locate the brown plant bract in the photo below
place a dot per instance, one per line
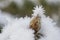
(35, 24)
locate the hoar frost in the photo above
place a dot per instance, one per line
(19, 28)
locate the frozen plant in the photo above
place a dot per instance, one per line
(49, 30)
(20, 28)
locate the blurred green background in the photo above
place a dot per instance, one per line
(28, 6)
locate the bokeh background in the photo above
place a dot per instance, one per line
(21, 8)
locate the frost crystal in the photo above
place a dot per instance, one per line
(38, 10)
